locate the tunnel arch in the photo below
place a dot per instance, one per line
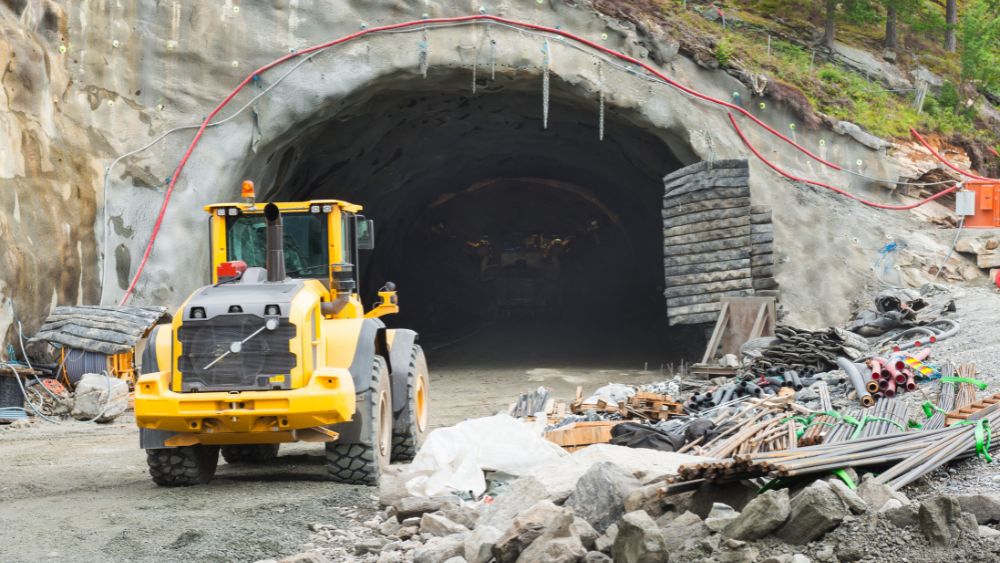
(443, 170)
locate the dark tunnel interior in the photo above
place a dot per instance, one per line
(488, 220)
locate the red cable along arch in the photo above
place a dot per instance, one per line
(840, 191)
(479, 17)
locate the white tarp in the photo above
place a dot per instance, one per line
(453, 459)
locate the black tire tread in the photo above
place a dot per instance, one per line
(356, 464)
(182, 466)
(404, 435)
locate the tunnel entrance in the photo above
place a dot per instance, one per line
(498, 215)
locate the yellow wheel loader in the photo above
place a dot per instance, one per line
(279, 348)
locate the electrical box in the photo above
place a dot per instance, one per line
(985, 205)
(965, 203)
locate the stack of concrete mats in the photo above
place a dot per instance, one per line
(715, 243)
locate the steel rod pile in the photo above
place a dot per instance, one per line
(911, 454)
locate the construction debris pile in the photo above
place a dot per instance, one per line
(811, 434)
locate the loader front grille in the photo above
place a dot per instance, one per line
(261, 357)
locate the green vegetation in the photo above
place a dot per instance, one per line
(920, 32)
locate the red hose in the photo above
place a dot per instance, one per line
(828, 186)
(945, 160)
(478, 17)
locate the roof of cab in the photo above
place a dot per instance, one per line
(286, 205)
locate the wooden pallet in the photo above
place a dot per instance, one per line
(965, 412)
(653, 406)
(579, 435)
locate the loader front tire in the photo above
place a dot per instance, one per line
(362, 462)
(182, 466)
(410, 428)
(250, 453)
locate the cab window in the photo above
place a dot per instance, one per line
(305, 242)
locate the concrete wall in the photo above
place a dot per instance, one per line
(88, 80)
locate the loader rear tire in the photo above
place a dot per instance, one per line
(182, 466)
(409, 430)
(250, 453)
(362, 462)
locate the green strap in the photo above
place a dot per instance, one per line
(915, 424)
(982, 385)
(777, 481)
(845, 478)
(983, 436)
(860, 424)
(930, 408)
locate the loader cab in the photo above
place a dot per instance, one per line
(321, 241)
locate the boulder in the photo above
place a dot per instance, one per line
(985, 507)
(410, 507)
(583, 530)
(98, 397)
(456, 559)
(815, 511)
(942, 521)
(517, 497)
(646, 498)
(684, 532)
(440, 549)
(855, 503)
(461, 514)
(392, 486)
(436, 524)
(599, 496)
(525, 529)
(639, 540)
(900, 515)
(596, 557)
(479, 544)
(605, 542)
(558, 544)
(720, 516)
(877, 494)
(760, 517)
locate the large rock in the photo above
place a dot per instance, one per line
(599, 496)
(639, 540)
(516, 498)
(985, 507)
(392, 486)
(877, 494)
(436, 524)
(684, 532)
(942, 521)
(900, 515)
(814, 511)
(720, 516)
(583, 530)
(479, 544)
(853, 501)
(646, 498)
(415, 507)
(99, 397)
(438, 550)
(558, 544)
(761, 516)
(525, 529)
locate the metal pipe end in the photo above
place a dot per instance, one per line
(867, 401)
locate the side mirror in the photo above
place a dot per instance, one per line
(366, 233)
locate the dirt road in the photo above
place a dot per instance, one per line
(80, 492)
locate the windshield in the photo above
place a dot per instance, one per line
(306, 248)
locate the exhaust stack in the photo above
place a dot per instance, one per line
(275, 263)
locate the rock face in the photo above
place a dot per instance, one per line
(760, 517)
(599, 497)
(814, 511)
(639, 540)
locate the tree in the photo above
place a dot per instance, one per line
(951, 25)
(980, 32)
(891, 18)
(830, 30)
